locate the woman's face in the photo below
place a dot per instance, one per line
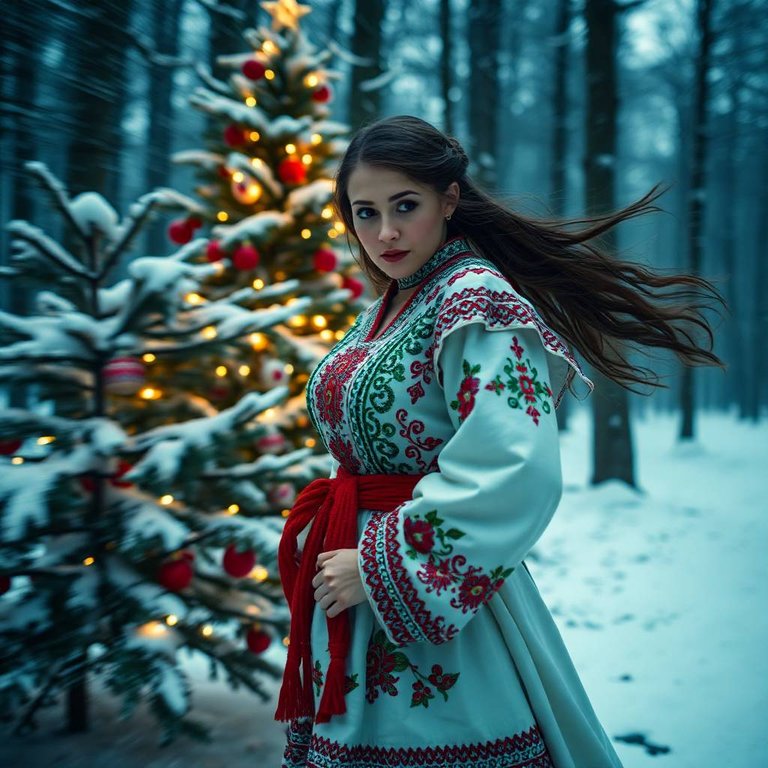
(399, 222)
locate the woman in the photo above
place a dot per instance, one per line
(418, 636)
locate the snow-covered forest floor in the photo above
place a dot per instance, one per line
(661, 596)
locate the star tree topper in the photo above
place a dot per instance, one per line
(285, 13)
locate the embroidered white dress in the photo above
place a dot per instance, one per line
(455, 660)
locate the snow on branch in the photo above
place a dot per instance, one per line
(379, 82)
(139, 211)
(261, 226)
(258, 169)
(208, 160)
(25, 489)
(202, 432)
(348, 56)
(48, 247)
(311, 197)
(47, 340)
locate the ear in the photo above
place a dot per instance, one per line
(450, 198)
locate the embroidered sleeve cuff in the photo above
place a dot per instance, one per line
(391, 593)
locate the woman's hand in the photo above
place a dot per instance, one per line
(338, 585)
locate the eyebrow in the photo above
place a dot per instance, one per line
(391, 199)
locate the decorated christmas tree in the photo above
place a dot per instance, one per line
(265, 186)
(137, 514)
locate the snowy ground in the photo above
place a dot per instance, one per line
(661, 596)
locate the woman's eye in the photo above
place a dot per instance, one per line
(406, 206)
(364, 213)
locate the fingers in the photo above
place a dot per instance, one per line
(323, 556)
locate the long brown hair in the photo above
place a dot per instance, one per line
(593, 300)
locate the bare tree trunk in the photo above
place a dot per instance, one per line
(365, 106)
(18, 118)
(98, 49)
(484, 42)
(612, 451)
(560, 138)
(759, 324)
(164, 24)
(446, 67)
(698, 191)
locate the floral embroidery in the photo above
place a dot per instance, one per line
(522, 386)
(432, 523)
(470, 586)
(350, 681)
(384, 658)
(465, 399)
(478, 588)
(342, 451)
(419, 535)
(395, 597)
(423, 370)
(523, 750)
(411, 432)
(331, 384)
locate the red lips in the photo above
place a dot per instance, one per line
(394, 255)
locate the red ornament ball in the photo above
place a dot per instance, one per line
(245, 257)
(9, 447)
(123, 468)
(124, 375)
(234, 136)
(253, 69)
(194, 222)
(176, 575)
(355, 286)
(214, 251)
(322, 94)
(238, 564)
(324, 260)
(5, 584)
(258, 640)
(180, 232)
(292, 171)
(273, 442)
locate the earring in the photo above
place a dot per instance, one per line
(448, 217)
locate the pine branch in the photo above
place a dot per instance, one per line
(50, 248)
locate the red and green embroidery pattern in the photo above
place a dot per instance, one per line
(443, 571)
(465, 398)
(522, 385)
(385, 658)
(523, 750)
(350, 681)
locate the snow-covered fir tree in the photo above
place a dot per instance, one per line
(265, 184)
(137, 514)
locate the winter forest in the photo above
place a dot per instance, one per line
(172, 270)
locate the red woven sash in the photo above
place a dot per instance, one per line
(331, 505)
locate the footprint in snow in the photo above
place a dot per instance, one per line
(640, 740)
